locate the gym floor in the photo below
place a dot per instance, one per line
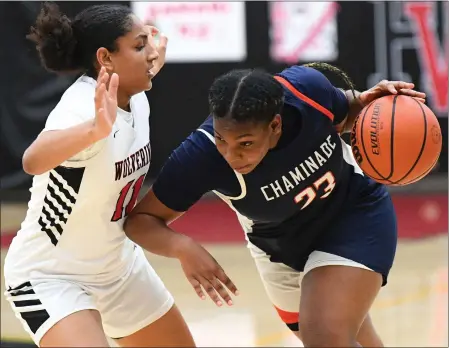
(412, 310)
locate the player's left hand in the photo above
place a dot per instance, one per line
(204, 272)
(386, 87)
(162, 47)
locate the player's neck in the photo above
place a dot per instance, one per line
(123, 102)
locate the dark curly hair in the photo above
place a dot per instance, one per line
(66, 45)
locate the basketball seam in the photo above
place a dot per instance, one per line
(393, 112)
(422, 146)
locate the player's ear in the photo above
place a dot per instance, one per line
(104, 59)
(276, 124)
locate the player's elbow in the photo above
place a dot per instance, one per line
(137, 224)
(30, 164)
(131, 224)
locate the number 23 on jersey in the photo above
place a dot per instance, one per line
(310, 193)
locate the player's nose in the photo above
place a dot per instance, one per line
(234, 158)
(152, 53)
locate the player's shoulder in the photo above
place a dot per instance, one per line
(310, 82)
(198, 150)
(307, 80)
(199, 146)
(78, 99)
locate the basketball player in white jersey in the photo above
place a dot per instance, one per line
(72, 276)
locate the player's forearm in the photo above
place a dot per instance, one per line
(52, 148)
(153, 234)
(355, 106)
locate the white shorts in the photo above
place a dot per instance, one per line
(283, 283)
(126, 305)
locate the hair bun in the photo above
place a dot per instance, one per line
(54, 38)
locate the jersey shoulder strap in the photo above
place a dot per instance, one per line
(304, 98)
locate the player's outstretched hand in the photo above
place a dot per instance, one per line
(386, 87)
(204, 272)
(105, 103)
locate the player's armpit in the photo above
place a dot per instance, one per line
(151, 205)
(341, 127)
(355, 106)
(147, 226)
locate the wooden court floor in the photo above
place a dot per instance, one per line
(411, 311)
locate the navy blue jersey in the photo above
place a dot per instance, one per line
(300, 186)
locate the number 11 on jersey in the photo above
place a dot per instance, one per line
(136, 184)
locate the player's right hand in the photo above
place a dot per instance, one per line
(204, 272)
(105, 104)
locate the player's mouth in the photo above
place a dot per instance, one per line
(150, 73)
(244, 169)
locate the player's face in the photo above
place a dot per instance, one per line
(244, 145)
(134, 59)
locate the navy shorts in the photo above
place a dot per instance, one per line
(365, 232)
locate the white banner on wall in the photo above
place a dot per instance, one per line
(303, 31)
(198, 31)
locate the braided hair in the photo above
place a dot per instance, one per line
(253, 95)
(335, 70)
(245, 96)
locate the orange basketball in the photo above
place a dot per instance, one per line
(396, 140)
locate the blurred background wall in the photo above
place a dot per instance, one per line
(369, 40)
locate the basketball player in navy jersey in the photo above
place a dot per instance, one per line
(271, 150)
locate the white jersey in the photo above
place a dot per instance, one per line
(74, 225)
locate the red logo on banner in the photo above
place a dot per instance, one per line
(410, 38)
(433, 61)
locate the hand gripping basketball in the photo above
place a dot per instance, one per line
(386, 87)
(105, 103)
(396, 139)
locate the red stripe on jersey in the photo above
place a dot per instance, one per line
(304, 98)
(288, 317)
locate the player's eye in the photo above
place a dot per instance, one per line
(246, 143)
(141, 45)
(218, 137)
